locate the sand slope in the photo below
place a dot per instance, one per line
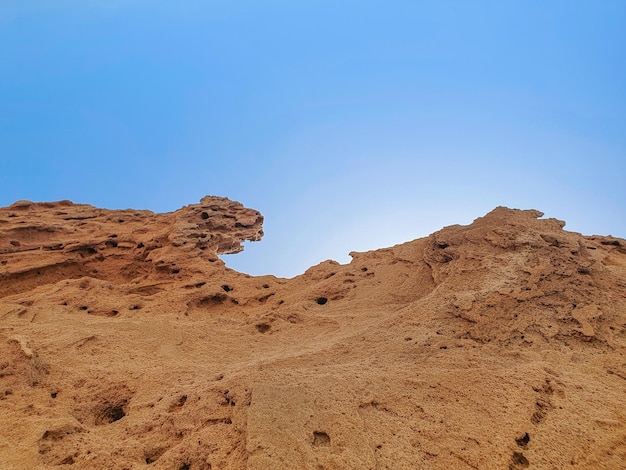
(125, 343)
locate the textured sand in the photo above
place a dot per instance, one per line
(125, 343)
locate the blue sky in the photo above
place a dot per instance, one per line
(351, 125)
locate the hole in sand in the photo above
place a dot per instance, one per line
(263, 327)
(320, 438)
(321, 300)
(115, 413)
(204, 215)
(178, 403)
(112, 413)
(519, 461)
(523, 440)
(227, 288)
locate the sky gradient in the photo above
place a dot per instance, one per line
(351, 125)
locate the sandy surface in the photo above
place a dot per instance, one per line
(125, 343)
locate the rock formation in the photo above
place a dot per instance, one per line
(126, 343)
(41, 243)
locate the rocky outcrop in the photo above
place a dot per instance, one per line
(126, 343)
(41, 243)
(514, 277)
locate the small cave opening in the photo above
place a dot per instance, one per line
(523, 441)
(116, 413)
(263, 327)
(519, 460)
(112, 413)
(321, 438)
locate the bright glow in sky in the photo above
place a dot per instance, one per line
(351, 125)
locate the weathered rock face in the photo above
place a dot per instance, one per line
(41, 243)
(126, 343)
(508, 261)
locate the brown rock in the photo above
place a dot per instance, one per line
(126, 343)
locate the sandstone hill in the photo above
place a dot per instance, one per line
(126, 343)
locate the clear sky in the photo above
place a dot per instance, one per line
(351, 125)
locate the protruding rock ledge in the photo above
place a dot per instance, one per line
(45, 242)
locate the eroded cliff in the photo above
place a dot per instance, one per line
(125, 342)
